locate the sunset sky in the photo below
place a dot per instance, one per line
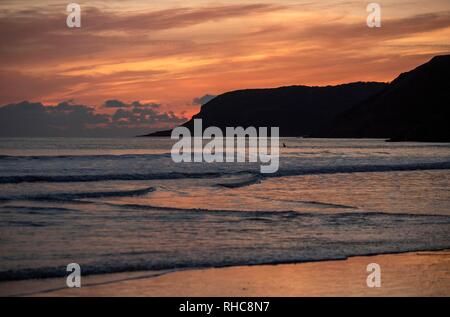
(167, 53)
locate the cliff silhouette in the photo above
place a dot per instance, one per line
(414, 106)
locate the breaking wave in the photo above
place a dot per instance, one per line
(82, 195)
(367, 168)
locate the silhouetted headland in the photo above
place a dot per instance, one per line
(413, 107)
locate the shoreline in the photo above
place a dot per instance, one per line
(402, 274)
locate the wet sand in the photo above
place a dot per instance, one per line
(406, 274)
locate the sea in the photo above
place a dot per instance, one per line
(123, 205)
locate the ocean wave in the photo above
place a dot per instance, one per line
(242, 183)
(387, 233)
(310, 202)
(286, 213)
(82, 195)
(55, 272)
(367, 168)
(101, 177)
(34, 210)
(81, 157)
(314, 170)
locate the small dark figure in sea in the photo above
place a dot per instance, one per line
(284, 144)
